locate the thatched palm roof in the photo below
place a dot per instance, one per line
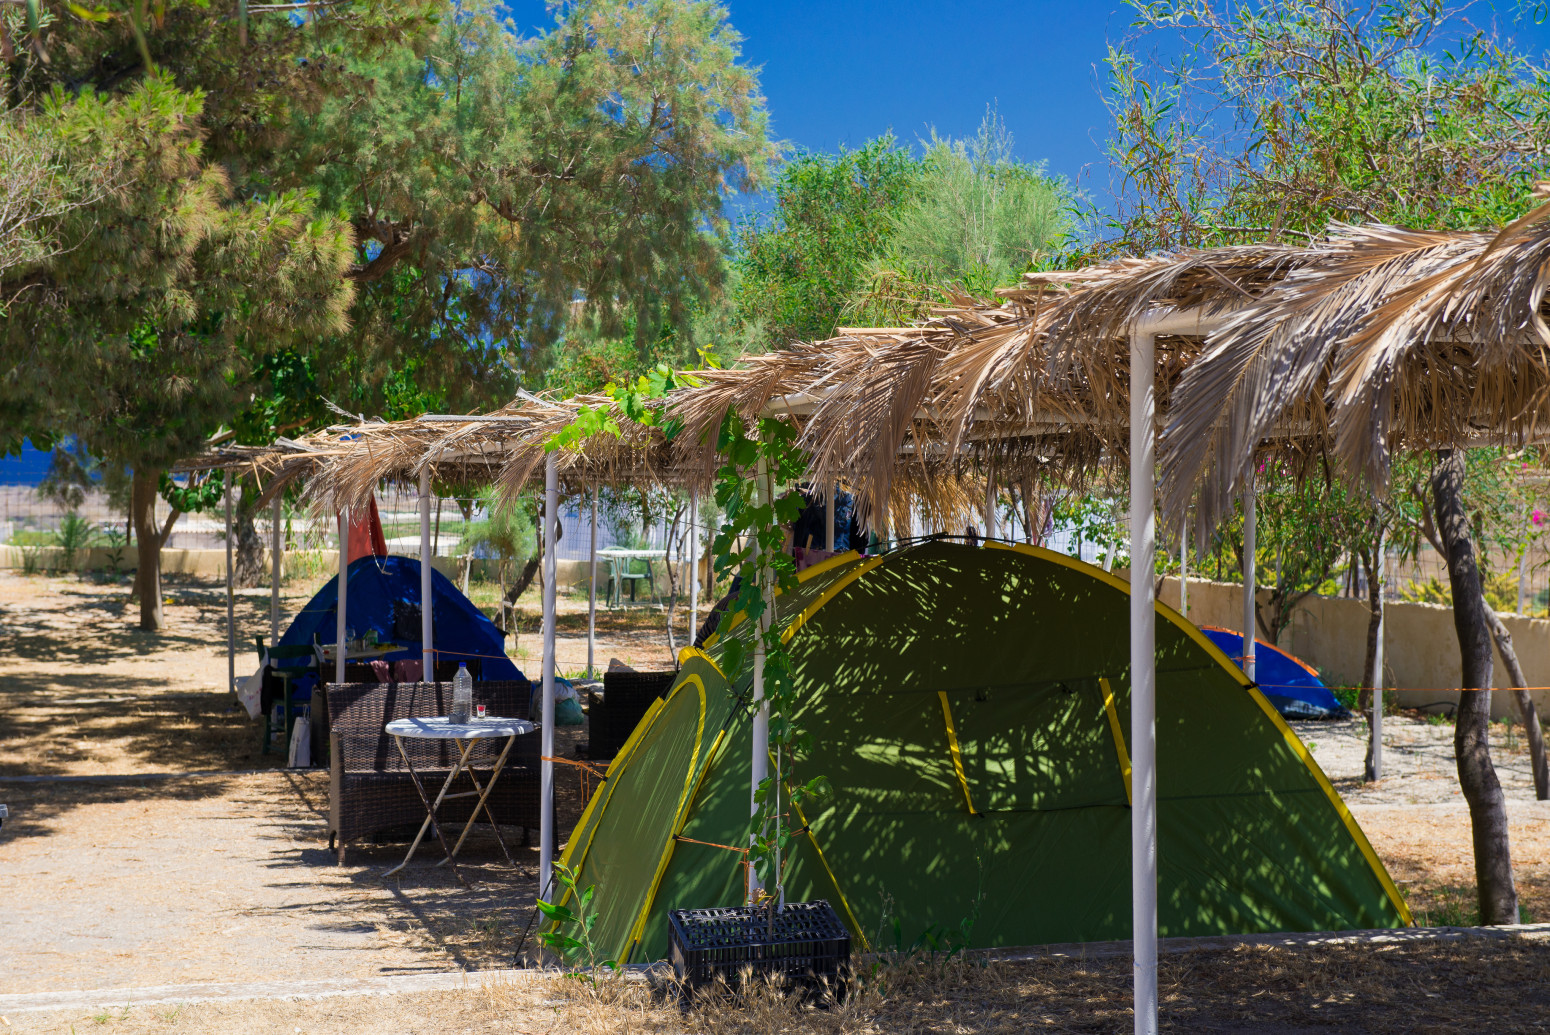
(1372, 340)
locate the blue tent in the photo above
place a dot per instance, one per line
(385, 596)
(1287, 682)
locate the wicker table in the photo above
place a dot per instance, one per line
(465, 735)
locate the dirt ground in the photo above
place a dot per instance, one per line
(113, 877)
(1417, 989)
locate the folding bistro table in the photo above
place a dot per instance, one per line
(465, 735)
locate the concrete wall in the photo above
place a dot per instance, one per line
(212, 563)
(1421, 653)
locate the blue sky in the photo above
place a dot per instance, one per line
(839, 73)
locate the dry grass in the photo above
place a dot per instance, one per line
(1419, 988)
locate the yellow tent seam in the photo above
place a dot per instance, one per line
(952, 747)
(614, 769)
(1119, 736)
(1193, 632)
(828, 564)
(827, 595)
(812, 837)
(678, 819)
(836, 561)
(687, 653)
(1378, 869)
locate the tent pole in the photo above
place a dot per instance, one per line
(592, 591)
(427, 565)
(828, 532)
(274, 581)
(1143, 690)
(761, 719)
(546, 751)
(1375, 772)
(1250, 575)
(344, 592)
(1184, 568)
(231, 600)
(694, 565)
(990, 504)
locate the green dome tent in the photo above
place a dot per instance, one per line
(969, 708)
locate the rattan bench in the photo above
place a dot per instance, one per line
(369, 788)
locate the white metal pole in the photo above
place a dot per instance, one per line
(1143, 683)
(990, 505)
(1377, 664)
(694, 565)
(344, 594)
(761, 718)
(274, 579)
(231, 600)
(592, 591)
(1250, 576)
(546, 763)
(828, 518)
(427, 566)
(1184, 568)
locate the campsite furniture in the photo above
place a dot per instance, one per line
(969, 707)
(619, 571)
(370, 790)
(613, 716)
(805, 943)
(283, 665)
(329, 652)
(464, 735)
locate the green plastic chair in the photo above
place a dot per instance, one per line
(286, 663)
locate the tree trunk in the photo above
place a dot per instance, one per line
(1471, 730)
(1371, 681)
(248, 569)
(1530, 714)
(148, 548)
(530, 569)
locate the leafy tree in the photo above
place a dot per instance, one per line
(1280, 117)
(412, 171)
(130, 335)
(798, 268)
(976, 219)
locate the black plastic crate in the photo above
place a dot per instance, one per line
(805, 943)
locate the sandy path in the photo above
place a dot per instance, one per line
(110, 884)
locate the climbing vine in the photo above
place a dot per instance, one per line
(750, 545)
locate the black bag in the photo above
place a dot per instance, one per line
(406, 621)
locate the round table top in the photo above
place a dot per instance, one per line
(441, 728)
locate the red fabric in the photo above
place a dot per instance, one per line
(366, 538)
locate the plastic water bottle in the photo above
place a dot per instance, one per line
(462, 695)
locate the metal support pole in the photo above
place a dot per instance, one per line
(592, 592)
(1143, 683)
(990, 505)
(546, 751)
(694, 565)
(1376, 772)
(1184, 568)
(828, 519)
(231, 599)
(761, 720)
(427, 566)
(275, 561)
(344, 594)
(1250, 577)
